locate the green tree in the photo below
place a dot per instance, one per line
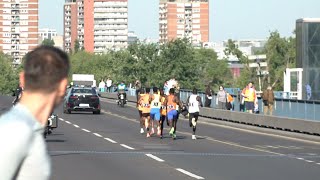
(48, 42)
(76, 46)
(8, 75)
(281, 54)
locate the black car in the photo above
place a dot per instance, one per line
(82, 99)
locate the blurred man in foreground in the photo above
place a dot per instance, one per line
(23, 152)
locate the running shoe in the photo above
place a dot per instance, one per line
(194, 137)
(171, 131)
(148, 135)
(141, 131)
(174, 136)
(194, 123)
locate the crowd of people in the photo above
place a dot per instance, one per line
(157, 108)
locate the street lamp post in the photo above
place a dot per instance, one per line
(259, 73)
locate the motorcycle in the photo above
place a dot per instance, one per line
(122, 99)
(51, 124)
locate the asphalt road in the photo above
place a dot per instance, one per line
(110, 146)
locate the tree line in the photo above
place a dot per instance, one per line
(153, 64)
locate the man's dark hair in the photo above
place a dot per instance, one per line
(147, 90)
(155, 89)
(44, 68)
(194, 91)
(142, 91)
(171, 91)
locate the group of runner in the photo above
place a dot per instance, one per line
(158, 108)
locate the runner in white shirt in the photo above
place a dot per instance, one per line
(194, 103)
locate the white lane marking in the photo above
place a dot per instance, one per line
(76, 126)
(309, 161)
(154, 157)
(96, 134)
(68, 122)
(189, 173)
(212, 123)
(86, 130)
(207, 138)
(110, 140)
(61, 119)
(128, 147)
(318, 163)
(300, 158)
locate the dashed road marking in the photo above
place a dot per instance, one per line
(300, 158)
(155, 157)
(76, 126)
(189, 173)
(110, 140)
(128, 147)
(96, 134)
(86, 130)
(318, 163)
(68, 122)
(61, 119)
(248, 131)
(309, 161)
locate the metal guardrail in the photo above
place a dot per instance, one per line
(280, 123)
(290, 108)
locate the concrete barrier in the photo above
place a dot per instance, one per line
(288, 124)
(281, 123)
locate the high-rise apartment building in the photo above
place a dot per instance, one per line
(46, 33)
(19, 27)
(184, 19)
(100, 24)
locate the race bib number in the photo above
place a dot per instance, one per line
(170, 107)
(155, 104)
(146, 105)
(163, 107)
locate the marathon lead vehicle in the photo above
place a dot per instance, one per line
(82, 99)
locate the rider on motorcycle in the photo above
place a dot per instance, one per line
(122, 90)
(17, 94)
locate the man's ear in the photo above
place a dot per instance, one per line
(22, 79)
(62, 87)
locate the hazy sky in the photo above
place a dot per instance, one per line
(236, 19)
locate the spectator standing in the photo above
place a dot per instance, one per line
(250, 97)
(109, 84)
(221, 98)
(229, 105)
(23, 152)
(241, 101)
(102, 86)
(137, 86)
(209, 94)
(268, 101)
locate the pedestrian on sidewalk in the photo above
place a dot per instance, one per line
(23, 152)
(229, 105)
(250, 97)
(109, 85)
(268, 101)
(209, 94)
(221, 98)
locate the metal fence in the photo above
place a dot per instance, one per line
(290, 108)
